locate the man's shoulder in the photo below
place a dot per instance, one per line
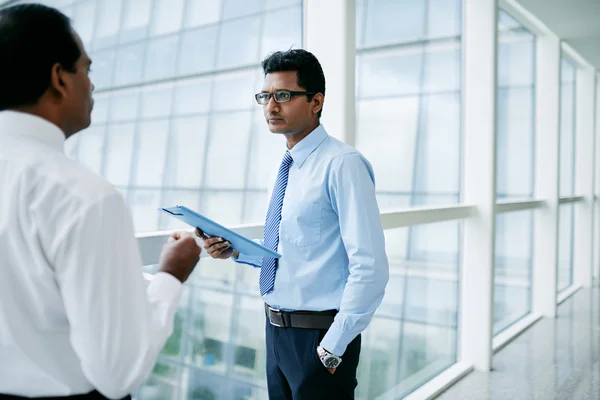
(64, 176)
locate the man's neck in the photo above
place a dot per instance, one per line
(294, 139)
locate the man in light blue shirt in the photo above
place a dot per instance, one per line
(324, 220)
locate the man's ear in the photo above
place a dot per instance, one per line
(59, 81)
(318, 100)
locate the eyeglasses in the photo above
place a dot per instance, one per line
(280, 96)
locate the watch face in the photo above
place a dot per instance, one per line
(331, 362)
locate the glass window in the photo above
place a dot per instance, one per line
(414, 331)
(136, 20)
(130, 64)
(565, 246)
(513, 268)
(197, 52)
(515, 110)
(91, 148)
(124, 106)
(192, 97)
(151, 152)
(281, 30)
(83, 21)
(161, 57)
(277, 4)
(234, 92)
(107, 24)
(444, 18)
(567, 129)
(187, 147)
(223, 206)
(144, 205)
(156, 101)
(226, 152)
(167, 17)
(119, 153)
(392, 21)
(202, 12)
(265, 152)
(238, 44)
(100, 110)
(239, 8)
(102, 68)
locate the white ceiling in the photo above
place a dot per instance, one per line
(577, 22)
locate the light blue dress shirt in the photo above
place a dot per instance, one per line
(330, 238)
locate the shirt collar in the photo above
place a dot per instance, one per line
(21, 125)
(306, 146)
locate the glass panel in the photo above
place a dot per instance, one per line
(192, 98)
(234, 92)
(100, 111)
(162, 384)
(119, 153)
(167, 17)
(515, 143)
(83, 21)
(444, 18)
(124, 106)
(393, 21)
(226, 164)
(513, 269)
(91, 148)
(239, 8)
(255, 207)
(197, 53)
(130, 64)
(282, 30)
(567, 129)
(156, 102)
(161, 57)
(107, 24)
(102, 68)
(202, 12)
(239, 42)
(187, 148)
(151, 148)
(136, 20)
(144, 205)
(565, 246)
(413, 335)
(265, 152)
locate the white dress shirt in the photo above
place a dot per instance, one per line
(75, 312)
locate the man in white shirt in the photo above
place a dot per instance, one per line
(76, 317)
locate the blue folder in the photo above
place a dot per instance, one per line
(211, 228)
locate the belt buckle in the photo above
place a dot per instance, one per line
(279, 314)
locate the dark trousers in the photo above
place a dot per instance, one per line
(294, 370)
(89, 396)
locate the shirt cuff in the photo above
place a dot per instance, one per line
(250, 260)
(336, 341)
(165, 287)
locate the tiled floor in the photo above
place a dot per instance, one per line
(553, 360)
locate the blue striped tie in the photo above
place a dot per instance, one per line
(269, 264)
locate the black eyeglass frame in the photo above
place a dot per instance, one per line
(291, 93)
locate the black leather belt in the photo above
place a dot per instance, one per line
(300, 319)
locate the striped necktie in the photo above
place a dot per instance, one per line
(269, 264)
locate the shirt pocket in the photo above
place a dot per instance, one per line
(303, 226)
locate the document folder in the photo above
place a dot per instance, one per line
(211, 228)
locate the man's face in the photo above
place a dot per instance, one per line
(78, 102)
(292, 117)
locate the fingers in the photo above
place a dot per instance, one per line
(217, 247)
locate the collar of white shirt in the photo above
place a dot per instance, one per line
(306, 146)
(23, 125)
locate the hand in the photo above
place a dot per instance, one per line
(217, 247)
(179, 256)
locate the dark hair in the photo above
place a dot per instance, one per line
(33, 38)
(307, 67)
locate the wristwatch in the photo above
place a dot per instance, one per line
(329, 360)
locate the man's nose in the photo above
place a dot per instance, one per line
(272, 105)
